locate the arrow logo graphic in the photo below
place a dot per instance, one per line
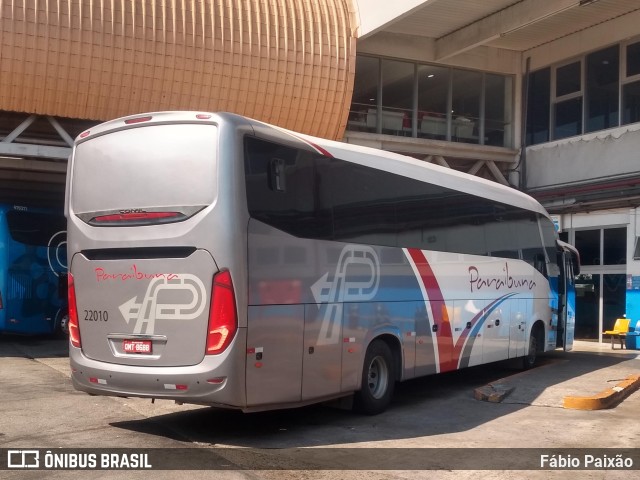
(149, 310)
(332, 293)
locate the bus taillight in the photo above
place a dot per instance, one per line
(74, 329)
(223, 320)
(136, 218)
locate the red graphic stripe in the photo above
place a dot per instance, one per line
(448, 355)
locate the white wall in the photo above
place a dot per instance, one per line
(595, 156)
(375, 14)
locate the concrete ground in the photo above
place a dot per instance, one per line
(40, 409)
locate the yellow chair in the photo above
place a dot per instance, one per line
(620, 329)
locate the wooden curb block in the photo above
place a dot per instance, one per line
(493, 393)
(606, 399)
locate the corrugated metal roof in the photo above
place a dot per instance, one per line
(565, 23)
(438, 18)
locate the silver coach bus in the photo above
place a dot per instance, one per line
(219, 260)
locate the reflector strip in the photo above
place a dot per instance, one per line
(349, 340)
(173, 386)
(101, 381)
(138, 120)
(217, 381)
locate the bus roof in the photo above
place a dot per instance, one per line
(380, 159)
(421, 170)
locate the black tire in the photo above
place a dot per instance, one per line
(62, 324)
(378, 379)
(529, 360)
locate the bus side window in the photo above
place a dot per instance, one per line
(540, 264)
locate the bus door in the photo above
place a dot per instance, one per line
(569, 268)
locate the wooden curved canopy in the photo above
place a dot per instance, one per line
(286, 62)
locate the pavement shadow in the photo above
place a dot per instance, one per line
(33, 346)
(428, 406)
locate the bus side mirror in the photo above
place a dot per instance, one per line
(276, 175)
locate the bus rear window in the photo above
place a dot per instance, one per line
(34, 228)
(155, 166)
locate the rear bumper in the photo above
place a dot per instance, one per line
(217, 380)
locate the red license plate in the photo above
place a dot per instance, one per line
(137, 346)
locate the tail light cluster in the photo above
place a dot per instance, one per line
(74, 328)
(223, 318)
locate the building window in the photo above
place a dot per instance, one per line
(433, 98)
(538, 106)
(498, 110)
(602, 89)
(588, 244)
(465, 105)
(568, 79)
(397, 97)
(393, 97)
(633, 59)
(605, 93)
(568, 118)
(615, 246)
(602, 246)
(364, 106)
(631, 85)
(568, 101)
(631, 103)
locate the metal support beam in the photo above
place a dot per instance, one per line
(19, 129)
(476, 167)
(519, 15)
(61, 131)
(39, 151)
(497, 173)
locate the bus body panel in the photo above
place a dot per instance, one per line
(217, 380)
(351, 292)
(133, 273)
(33, 260)
(144, 311)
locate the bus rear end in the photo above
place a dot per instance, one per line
(154, 273)
(32, 262)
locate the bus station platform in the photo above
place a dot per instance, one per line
(590, 377)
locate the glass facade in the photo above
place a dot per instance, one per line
(538, 106)
(602, 89)
(601, 288)
(599, 91)
(400, 98)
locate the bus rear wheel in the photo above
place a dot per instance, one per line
(529, 360)
(378, 379)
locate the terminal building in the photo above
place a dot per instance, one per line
(541, 96)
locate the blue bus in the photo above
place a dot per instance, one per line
(33, 266)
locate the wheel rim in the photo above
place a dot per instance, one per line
(378, 377)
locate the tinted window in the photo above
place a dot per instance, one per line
(311, 196)
(538, 107)
(568, 79)
(283, 191)
(602, 89)
(33, 228)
